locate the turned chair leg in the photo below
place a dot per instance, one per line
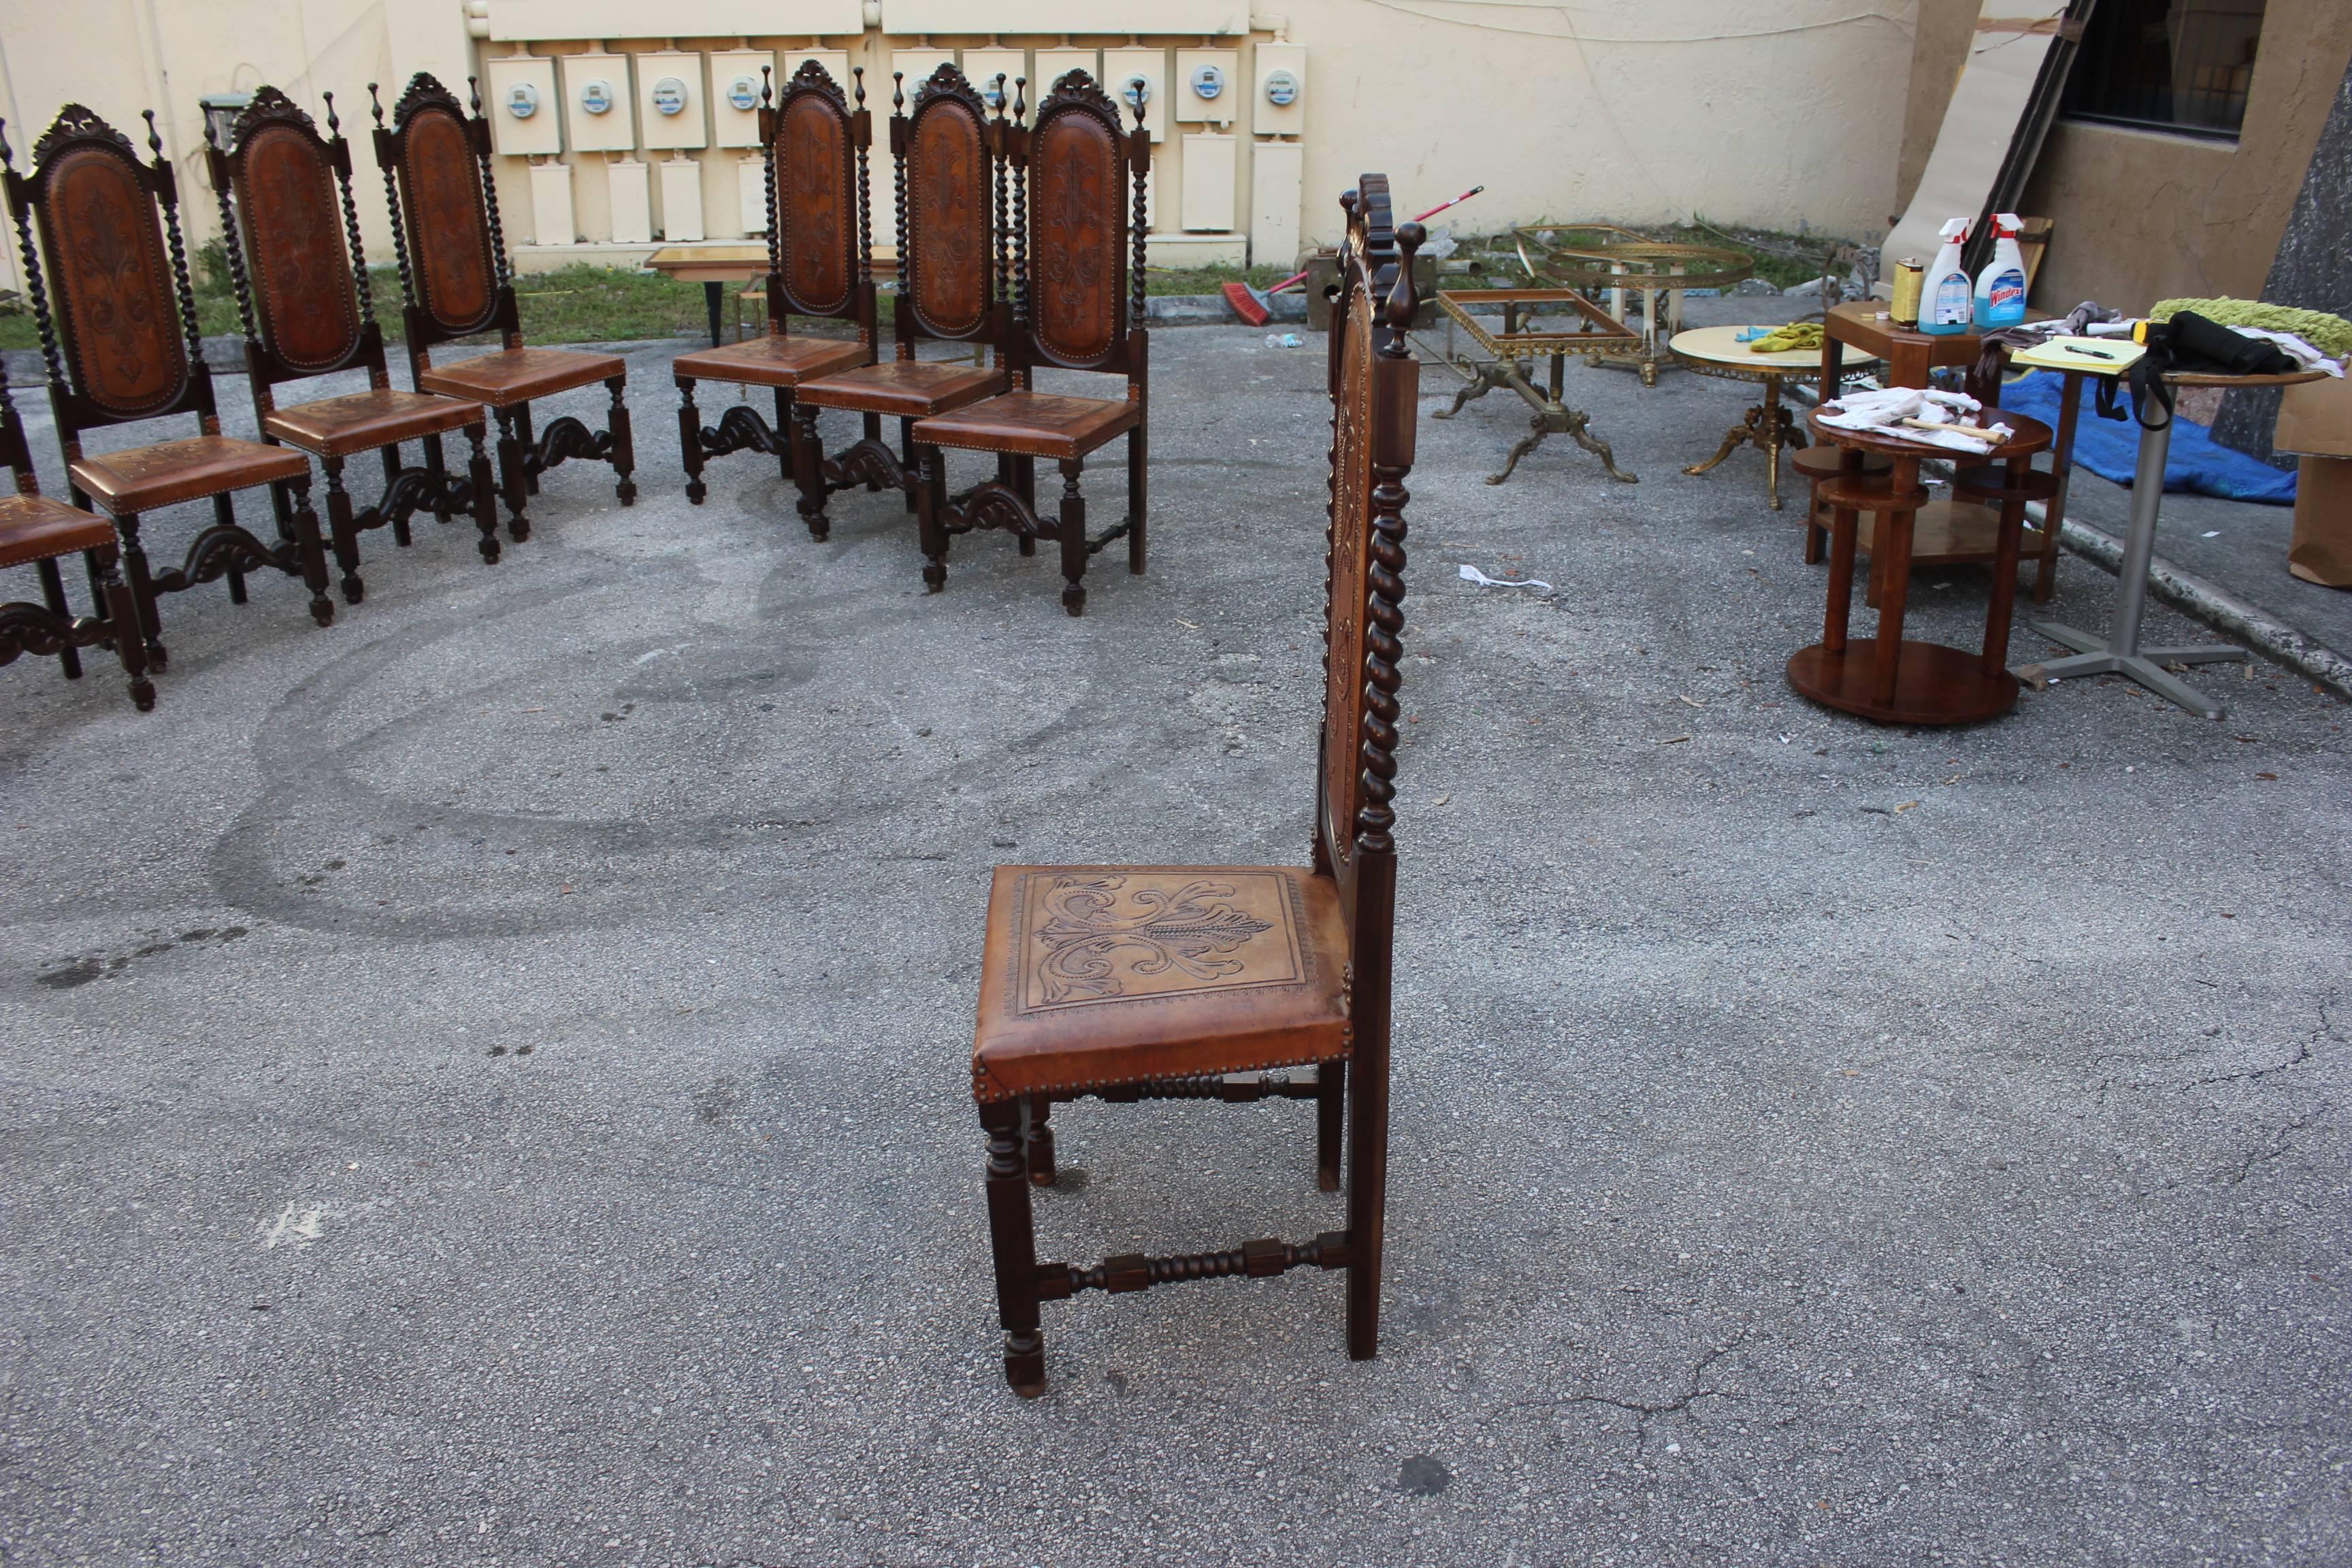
(529, 438)
(53, 589)
(485, 496)
(1041, 1142)
(1013, 1238)
(1330, 1122)
(808, 467)
(1025, 480)
(391, 456)
(930, 526)
(783, 428)
(438, 460)
(510, 472)
(122, 611)
(313, 553)
(624, 445)
(147, 623)
(689, 440)
(1368, 1181)
(225, 514)
(1073, 530)
(343, 530)
(1138, 488)
(906, 455)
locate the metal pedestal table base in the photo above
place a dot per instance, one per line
(2119, 653)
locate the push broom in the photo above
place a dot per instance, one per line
(1253, 305)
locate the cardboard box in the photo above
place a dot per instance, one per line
(2321, 551)
(2315, 417)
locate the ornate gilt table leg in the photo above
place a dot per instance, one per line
(1775, 434)
(1748, 429)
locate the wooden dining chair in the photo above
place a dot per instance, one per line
(37, 532)
(457, 281)
(1131, 982)
(123, 347)
(304, 301)
(1078, 299)
(950, 165)
(813, 146)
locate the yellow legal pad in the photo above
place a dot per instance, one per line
(2096, 356)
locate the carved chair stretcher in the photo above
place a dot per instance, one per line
(456, 281)
(1195, 982)
(814, 148)
(286, 214)
(1077, 304)
(950, 167)
(37, 532)
(123, 346)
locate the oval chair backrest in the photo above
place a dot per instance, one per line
(293, 231)
(817, 195)
(1372, 388)
(1077, 226)
(102, 245)
(947, 236)
(449, 231)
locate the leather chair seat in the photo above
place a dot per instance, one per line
(772, 359)
(910, 389)
(35, 528)
(337, 426)
(519, 376)
(170, 472)
(1031, 424)
(1115, 974)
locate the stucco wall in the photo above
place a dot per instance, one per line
(2142, 215)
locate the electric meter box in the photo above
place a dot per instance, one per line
(1122, 69)
(599, 110)
(735, 94)
(1281, 106)
(526, 116)
(1208, 86)
(669, 99)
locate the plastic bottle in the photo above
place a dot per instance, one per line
(1944, 307)
(2000, 287)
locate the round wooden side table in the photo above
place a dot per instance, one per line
(1885, 679)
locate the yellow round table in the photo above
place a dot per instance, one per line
(1768, 426)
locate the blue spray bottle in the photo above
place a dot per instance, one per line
(2000, 287)
(1944, 305)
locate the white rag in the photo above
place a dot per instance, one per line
(1885, 410)
(2305, 356)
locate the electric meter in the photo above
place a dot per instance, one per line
(1281, 88)
(669, 94)
(522, 100)
(1208, 82)
(596, 96)
(743, 92)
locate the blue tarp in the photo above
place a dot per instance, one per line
(2110, 448)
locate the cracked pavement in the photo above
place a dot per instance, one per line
(486, 1082)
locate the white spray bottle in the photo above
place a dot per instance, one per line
(2000, 287)
(1944, 305)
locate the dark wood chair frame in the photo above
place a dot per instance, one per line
(84, 400)
(332, 285)
(522, 457)
(1375, 393)
(793, 442)
(918, 314)
(1010, 500)
(51, 629)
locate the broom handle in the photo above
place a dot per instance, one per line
(1300, 276)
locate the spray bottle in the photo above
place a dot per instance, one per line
(2000, 287)
(1945, 293)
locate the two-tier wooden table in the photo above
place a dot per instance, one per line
(1885, 678)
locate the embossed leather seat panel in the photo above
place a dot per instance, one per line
(1106, 975)
(908, 388)
(334, 426)
(519, 376)
(1031, 424)
(170, 472)
(34, 528)
(770, 361)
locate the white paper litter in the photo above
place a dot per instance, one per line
(1472, 574)
(1884, 411)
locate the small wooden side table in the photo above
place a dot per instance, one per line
(1885, 679)
(1768, 426)
(2119, 653)
(714, 266)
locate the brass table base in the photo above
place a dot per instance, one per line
(1768, 426)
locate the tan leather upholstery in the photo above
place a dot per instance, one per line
(170, 472)
(908, 388)
(34, 528)
(517, 376)
(337, 426)
(1031, 424)
(772, 360)
(1109, 974)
